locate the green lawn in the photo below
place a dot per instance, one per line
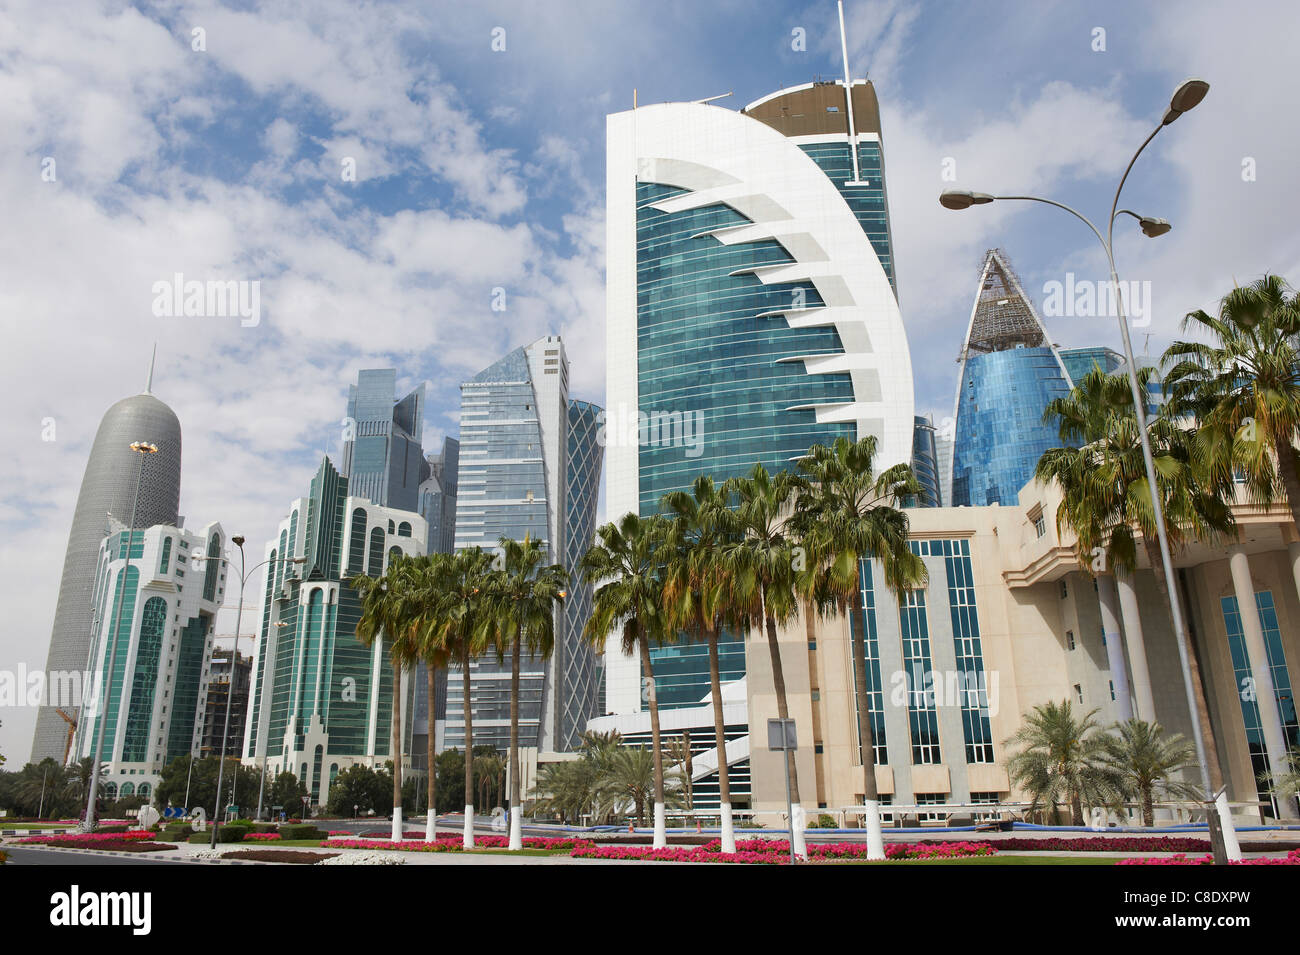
(34, 825)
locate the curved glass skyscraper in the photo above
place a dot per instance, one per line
(751, 309)
(1009, 372)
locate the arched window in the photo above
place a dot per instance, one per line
(390, 527)
(166, 558)
(357, 544)
(144, 791)
(110, 791)
(128, 789)
(376, 566)
(279, 568)
(404, 529)
(393, 554)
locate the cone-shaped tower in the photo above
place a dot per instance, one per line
(1009, 372)
(107, 487)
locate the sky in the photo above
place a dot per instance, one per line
(387, 172)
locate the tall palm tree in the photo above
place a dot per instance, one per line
(462, 624)
(1061, 759)
(1243, 386)
(847, 515)
(1106, 500)
(523, 596)
(698, 598)
(388, 611)
(625, 565)
(762, 565)
(433, 573)
(1144, 760)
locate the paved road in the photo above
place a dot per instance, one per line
(21, 856)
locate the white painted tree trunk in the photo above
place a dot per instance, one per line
(397, 823)
(875, 838)
(431, 827)
(661, 827)
(516, 828)
(728, 829)
(797, 834)
(468, 840)
(1230, 844)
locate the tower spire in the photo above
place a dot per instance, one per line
(148, 382)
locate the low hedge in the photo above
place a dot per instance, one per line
(300, 831)
(224, 834)
(176, 833)
(265, 827)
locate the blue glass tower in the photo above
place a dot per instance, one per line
(1009, 372)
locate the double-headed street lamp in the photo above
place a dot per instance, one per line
(144, 449)
(234, 657)
(1185, 98)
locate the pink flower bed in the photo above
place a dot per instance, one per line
(777, 851)
(1291, 858)
(1102, 844)
(450, 843)
(92, 837)
(261, 837)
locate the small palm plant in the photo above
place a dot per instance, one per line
(1145, 761)
(1285, 784)
(1061, 759)
(634, 777)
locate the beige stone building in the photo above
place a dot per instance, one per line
(1009, 620)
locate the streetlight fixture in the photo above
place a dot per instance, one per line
(1186, 97)
(144, 449)
(238, 541)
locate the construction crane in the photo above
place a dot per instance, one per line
(72, 731)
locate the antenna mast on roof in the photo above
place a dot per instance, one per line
(848, 99)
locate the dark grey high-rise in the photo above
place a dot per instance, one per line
(107, 487)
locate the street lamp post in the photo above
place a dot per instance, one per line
(144, 449)
(234, 656)
(1186, 97)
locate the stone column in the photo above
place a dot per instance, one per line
(1109, 604)
(1270, 717)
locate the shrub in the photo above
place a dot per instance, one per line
(224, 834)
(300, 831)
(176, 833)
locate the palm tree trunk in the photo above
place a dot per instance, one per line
(1148, 808)
(1286, 470)
(1217, 819)
(397, 751)
(720, 740)
(1198, 686)
(783, 711)
(516, 823)
(1076, 809)
(468, 838)
(661, 828)
(431, 822)
(866, 739)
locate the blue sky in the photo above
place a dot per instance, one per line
(479, 169)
